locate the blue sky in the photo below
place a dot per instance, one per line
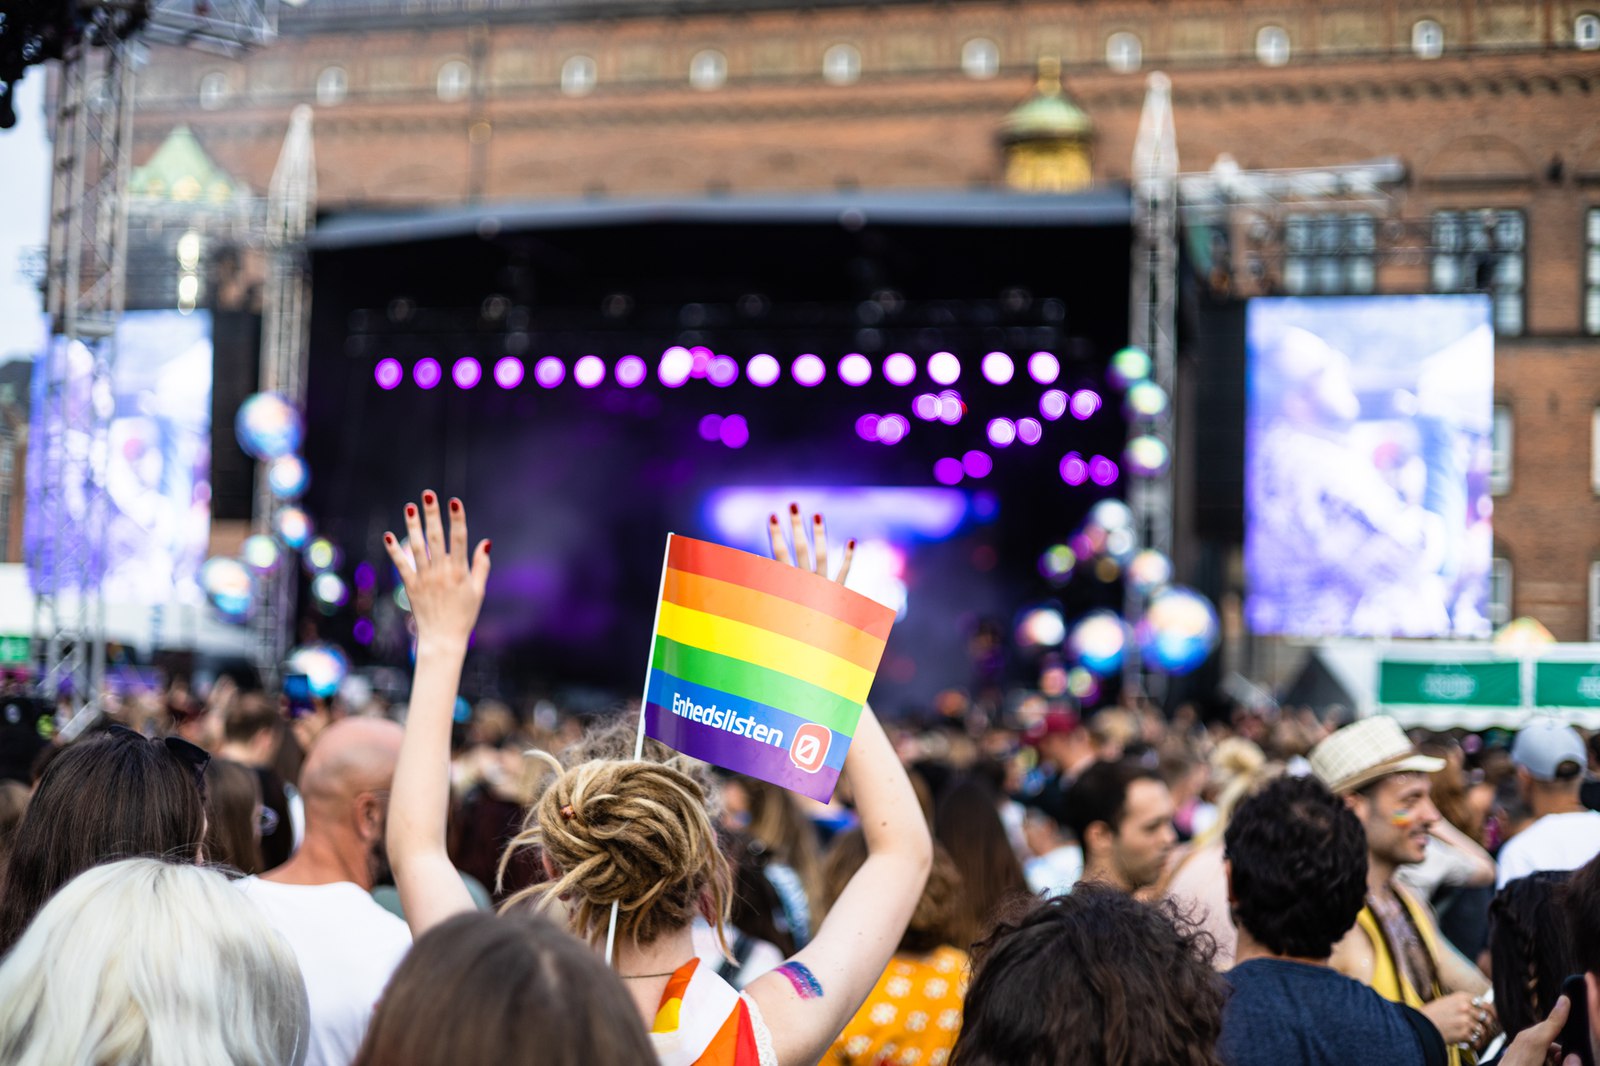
(25, 192)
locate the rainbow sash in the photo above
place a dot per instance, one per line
(703, 1022)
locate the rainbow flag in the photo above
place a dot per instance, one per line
(759, 667)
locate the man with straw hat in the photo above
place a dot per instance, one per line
(1395, 945)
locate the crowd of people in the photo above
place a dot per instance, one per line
(229, 885)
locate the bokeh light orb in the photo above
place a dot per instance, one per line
(1044, 367)
(948, 471)
(1129, 365)
(1041, 627)
(762, 371)
(630, 371)
(944, 368)
(675, 367)
(899, 369)
(998, 369)
(1179, 630)
(977, 464)
(1084, 403)
(892, 429)
(1145, 401)
(1074, 469)
(1002, 432)
(388, 374)
(229, 586)
(590, 371)
(723, 371)
(549, 372)
(508, 372)
(288, 477)
(926, 407)
(1053, 404)
(324, 665)
(322, 554)
(427, 373)
(855, 369)
(1149, 570)
(1121, 545)
(1102, 471)
(268, 426)
(808, 370)
(466, 372)
(261, 553)
(1098, 642)
(867, 427)
(329, 591)
(711, 428)
(735, 431)
(292, 526)
(1083, 685)
(1057, 563)
(1029, 431)
(1146, 456)
(950, 407)
(1108, 515)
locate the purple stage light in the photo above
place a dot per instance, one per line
(948, 471)
(951, 408)
(676, 365)
(944, 368)
(366, 578)
(1029, 430)
(855, 369)
(926, 407)
(723, 371)
(701, 361)
(589, 371)
(631, 371)
(892, 429)
(508, 372)
(867, 427)
(808, 370)
(1102, 471)
(363, 631)
(427, 373)
(711, 428)
(1002, 431)
(762, 370)
(998, 368)
(977, 464)
(1044, 368)
(466, 373)
(1085, 402)
(1053, 404)
(735, 431)
(1074, 470)
(549, 372)
(388, 373)
(900, 369)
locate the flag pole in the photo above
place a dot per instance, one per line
(644, 700)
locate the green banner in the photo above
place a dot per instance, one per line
(13, 650)
(1491, 684)
(1558, 684)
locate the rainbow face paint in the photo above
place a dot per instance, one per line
(1403, 819)
(805, 983)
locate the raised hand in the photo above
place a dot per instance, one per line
(444, 585)
(802, 551)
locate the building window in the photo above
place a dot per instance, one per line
(1586, 32)
(708, 70)
(980, 58)
(1499, 591)
(1272, 46)
(1483, 251)
(578, 75)
(1427, 39)
(1329, 254)
(841, 65)
(332, 86)
(454, 80)
(1591, 291)
(213, 90)
(1500, 451)
(1124, 53)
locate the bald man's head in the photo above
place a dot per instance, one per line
(352, 756)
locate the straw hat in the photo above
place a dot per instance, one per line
(1360, 754)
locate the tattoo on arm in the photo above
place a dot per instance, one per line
(805, 983)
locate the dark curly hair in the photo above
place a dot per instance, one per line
(1581, 900)
(1530, 948)
(1299, 859)
(1094, 978)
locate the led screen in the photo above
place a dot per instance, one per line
(1367, 466)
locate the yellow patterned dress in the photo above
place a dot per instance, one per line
(912, 1017)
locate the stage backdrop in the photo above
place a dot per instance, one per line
(1367, 456)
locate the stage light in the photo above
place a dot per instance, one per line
(1044, 368)
(700, 360)
(1029, 430)
(1053, 404)
(944, 368)
(268, 426)
(723, 371)
(329, 590)
(1074, 470)
(1179, 630)
(427, 373)
(1108, 516)
(230, 586)
(293, 527)
(900, 369)
(321, 555)
(1145, 400)
(676, 365)
(1102, 471)
(1098, 642)
(549, 372)
(366, 577)
(631, 371)
(1146, 456)
(508, 372)
(998, 368)
(261, 552)
(926, 407)
(1082, 684)
(711, 428)
(589, 371)
(1002, 432)
(1085, 402)
(363, 631)
(1057, 564)
(867, 427)
(735, 431)
(1041, 627)
(762, 370)
(388, 373)
(951, 408)
(324, 665)
(808, 370)
(948, 471)
(892, 429)
(1149, 570)
(855, 369)
(1129, 365)
(288, 476)
(977, 464)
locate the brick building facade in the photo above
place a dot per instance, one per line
(1489, 104)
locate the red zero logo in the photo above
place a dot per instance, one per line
(810, 748)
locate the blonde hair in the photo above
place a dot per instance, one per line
(149, 963)
(634, 833)
(1239, 768)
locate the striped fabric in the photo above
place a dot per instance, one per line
(702, 1021)
(760, 667)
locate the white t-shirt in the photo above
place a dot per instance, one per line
(1554, 842)
(348, 947)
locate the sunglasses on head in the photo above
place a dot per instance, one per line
(193, 756)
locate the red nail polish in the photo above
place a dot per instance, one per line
(429, 498)
(455, 505)
(794, 508)
(388, 538)
(411, 510)
(817, 519)
(773, 519)
(851, 543)
(487, 545)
